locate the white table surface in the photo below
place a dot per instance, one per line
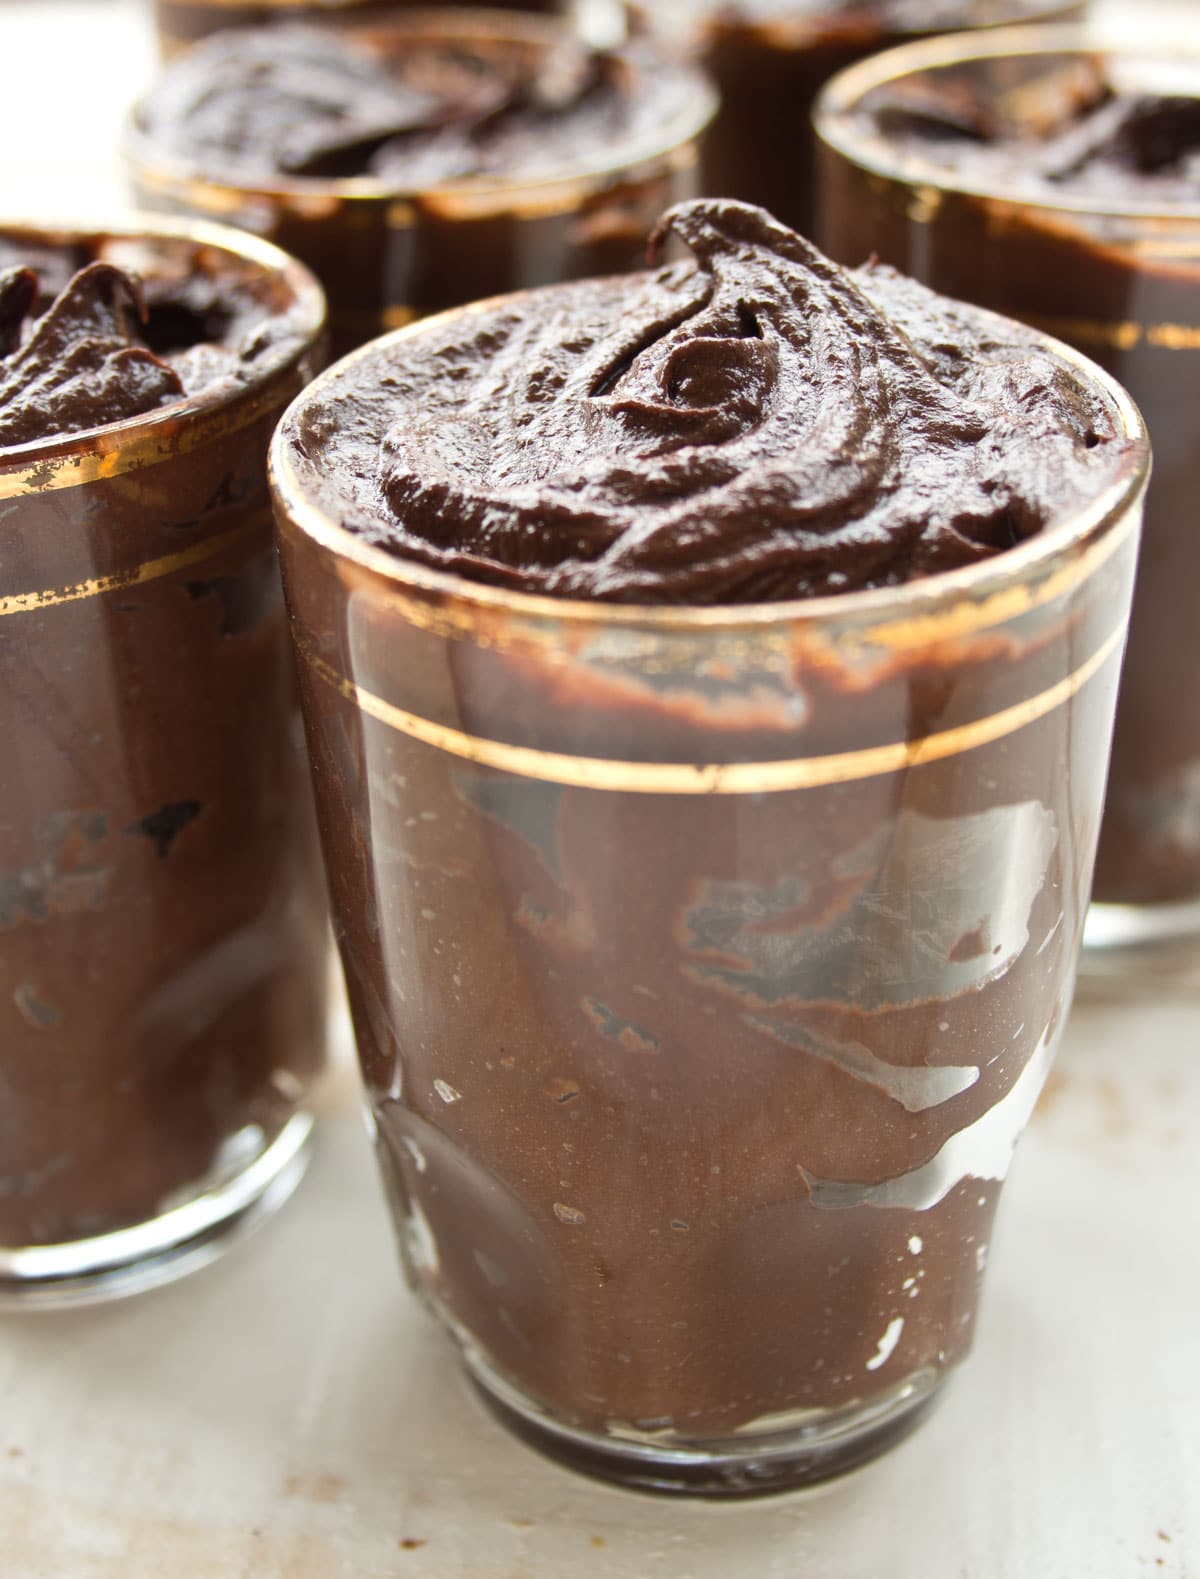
(289, 1413)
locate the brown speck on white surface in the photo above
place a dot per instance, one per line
(319, 1486)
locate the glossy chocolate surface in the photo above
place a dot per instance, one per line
(1117, 272)
(1074, 133)
(81, 365)
(161, 909)
(310, 101)
(85, 349)
(756, 425)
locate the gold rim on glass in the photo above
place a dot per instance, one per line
(947, 607)
(71, 460)
(879, 156)
(799, 33)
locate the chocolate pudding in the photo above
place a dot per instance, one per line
(709, 915)
(1063, 186)
(694, 437)
(84, 343)
(429, 161)
(770, 58)
(161, 910)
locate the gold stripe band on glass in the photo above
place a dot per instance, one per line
(1120, 335)
(150, 570)
(715, 778)
(1156, 247)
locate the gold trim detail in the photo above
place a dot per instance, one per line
(966, 616)
(182, 428)
(1122, 335)
(1174, 336)
(924, 204)
(151, 570)
(1159, 247)
(714, 778)
(230, 5)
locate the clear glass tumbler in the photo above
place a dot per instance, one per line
(163, 930)
(1120, 279)
(770, 60)
(706, 964)
(387, 255)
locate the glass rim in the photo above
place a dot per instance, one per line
(798, 33)
(170, 172)
(71, 459)
(990, 592)
(301, 5)
(843, 94)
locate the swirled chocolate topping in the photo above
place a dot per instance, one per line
(84, 343)
(1070, 131)
(417, 106)
(759, 424)
(82, 365)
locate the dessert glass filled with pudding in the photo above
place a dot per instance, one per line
(1055, 176)
(428, 161)
(708, 675)
(770, 58)
(162, 915)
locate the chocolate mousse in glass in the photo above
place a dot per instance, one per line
(1055, 175)
(428, 161)
(182, 23)
(162, 915)
(770, 58)
(708, 676)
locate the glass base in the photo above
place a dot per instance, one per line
(180, 1240)
(815, 1446)
(1157, 944)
